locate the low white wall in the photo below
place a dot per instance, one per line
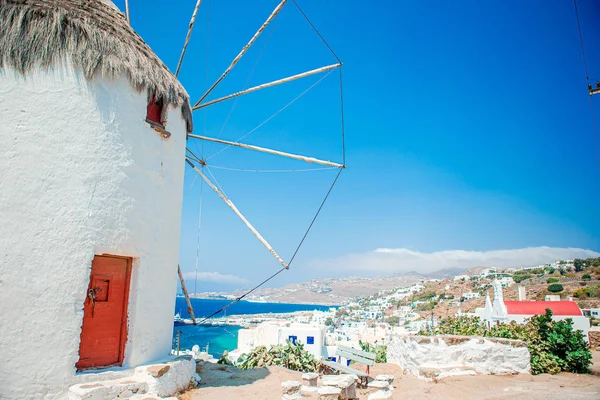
(457, 355)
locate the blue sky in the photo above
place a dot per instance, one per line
(468, 127)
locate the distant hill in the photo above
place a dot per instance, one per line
(446, 273)
(324, 291)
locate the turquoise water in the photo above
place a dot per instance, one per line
(221, 338)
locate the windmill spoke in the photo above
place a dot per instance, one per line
(244, 50)
(187, 38)
(270, 151)
(238, 213)
(269, 84)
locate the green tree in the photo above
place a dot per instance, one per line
(579, 264)
(555, 288)
(551, 280)
(520, 278)
(586, 277)
(329, 321)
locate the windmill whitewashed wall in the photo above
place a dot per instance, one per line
(82, 174)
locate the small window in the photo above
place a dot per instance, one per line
(154, 112)
(310, 340)
(155, 116)
(293, 339)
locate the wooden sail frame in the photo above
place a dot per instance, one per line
(191, 159)
(238, 213)
(269, 151)
(198, 106)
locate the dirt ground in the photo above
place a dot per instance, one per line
(222, 382)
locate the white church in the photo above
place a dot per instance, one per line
(500, 310)
(93, 136)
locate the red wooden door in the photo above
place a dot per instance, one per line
(104, 330)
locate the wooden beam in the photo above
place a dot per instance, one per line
(185, 293)
(266, 85)
(187, 37)
(239, 214)
(244, 50)
(269, 151)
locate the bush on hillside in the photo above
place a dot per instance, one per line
(553, 345)
(520, 278)
(551, 280)
(586, 277)
(556, 288)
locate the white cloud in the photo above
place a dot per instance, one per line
(400, 260)
(216, 277)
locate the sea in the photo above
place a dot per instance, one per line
(224, 337)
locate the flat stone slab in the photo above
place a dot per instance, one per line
(295, 396)
(308, 390)
(378, 385)
(340, 381)
(329, 393)
(380, 394)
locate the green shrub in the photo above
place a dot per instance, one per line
(586, 277)
(584, 293)
(551, 280)
(379, 350)
(291, 356)
(555, 288)
(520, 278)
(553, 345)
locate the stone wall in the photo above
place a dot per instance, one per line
(436, 357)
(594, 338)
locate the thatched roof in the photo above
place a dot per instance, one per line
(91, 35)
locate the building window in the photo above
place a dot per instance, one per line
(310, 340)
(293, 339)
(155, 116)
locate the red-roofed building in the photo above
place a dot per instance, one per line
(563, 308)
(498, 310)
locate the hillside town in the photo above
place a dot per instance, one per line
(570, 288)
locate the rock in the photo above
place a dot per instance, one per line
(310, 378)
(290, 387)
(158, 370)
(378, 385)
(308, 390)
(340, 381)
(385, 377)
(380, 394)
(329, 393)
(295, 396)
(345, 382)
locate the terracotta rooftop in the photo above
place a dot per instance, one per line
(539, 307)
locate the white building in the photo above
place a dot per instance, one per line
(462, 278)
(505, 311)
(271, 333)
(91, 195)
(471, 295)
